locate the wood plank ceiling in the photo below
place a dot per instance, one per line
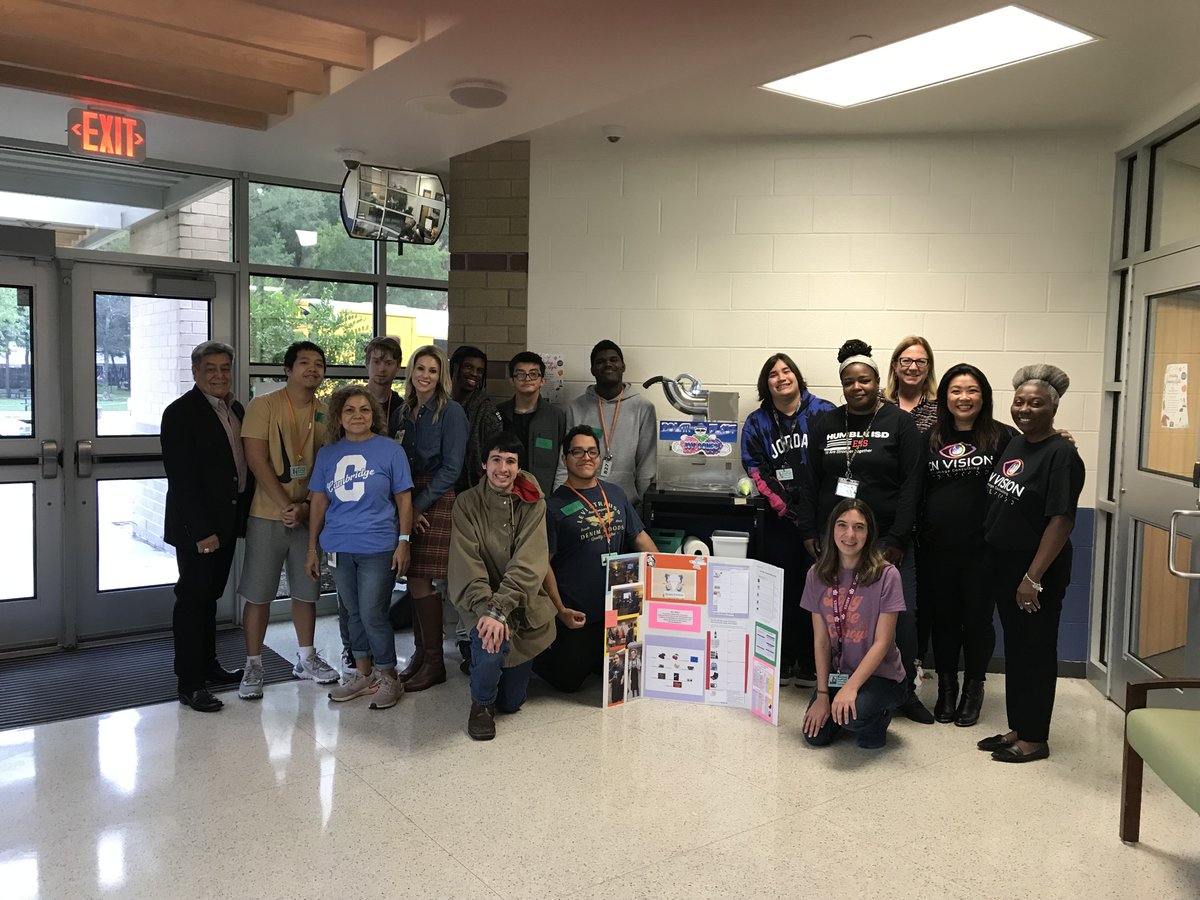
(234, 62)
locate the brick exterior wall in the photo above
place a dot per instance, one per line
(489, 250)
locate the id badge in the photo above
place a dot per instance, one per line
(299, 472)
(784, 475)
(606, 467)
(847, 487)
(838, 679)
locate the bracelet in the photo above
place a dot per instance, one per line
(402, 539)
(1037, 587)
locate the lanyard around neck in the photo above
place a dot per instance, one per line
(596, 512)
(604, 428)
(298, 435)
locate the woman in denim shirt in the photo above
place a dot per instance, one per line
(435, 439)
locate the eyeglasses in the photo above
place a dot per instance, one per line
(526, 376)
(581, 452)
(907, 362)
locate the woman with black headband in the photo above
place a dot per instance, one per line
(870, 450)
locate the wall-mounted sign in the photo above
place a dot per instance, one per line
(107, 135)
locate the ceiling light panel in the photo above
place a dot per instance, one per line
(980, 44)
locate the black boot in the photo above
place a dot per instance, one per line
(947, 700)
(970, 704)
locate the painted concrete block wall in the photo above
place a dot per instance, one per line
(707, 258)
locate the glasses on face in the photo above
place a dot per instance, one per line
(526, 376)
(581, 452)
(908, 362)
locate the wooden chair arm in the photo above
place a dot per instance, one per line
(1136, 691)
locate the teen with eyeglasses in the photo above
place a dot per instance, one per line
(586, 519)
(537, 422)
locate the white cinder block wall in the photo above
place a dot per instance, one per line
(705, 259)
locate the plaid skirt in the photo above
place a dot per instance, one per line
(431, 550)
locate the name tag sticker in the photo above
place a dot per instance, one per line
(298, 471)
(543, 443)
(784, 474)
(847, 487)
(571, 508)
(838, 679)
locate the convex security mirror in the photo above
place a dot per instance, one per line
(382, 204)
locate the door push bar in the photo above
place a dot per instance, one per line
(51, 458)
(1178, 514)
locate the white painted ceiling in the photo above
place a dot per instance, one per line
(669, 70)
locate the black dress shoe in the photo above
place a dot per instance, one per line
(914, 709)
(1013, 754)
(970, 705)
(200, 700)
(947, 698)
(994, 743)
(221, 676)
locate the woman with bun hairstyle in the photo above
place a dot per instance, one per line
(774, 455)
(870, 450)
(1034, 492)
(964, 444)
(854, 595)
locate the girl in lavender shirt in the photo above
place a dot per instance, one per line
(854, 595)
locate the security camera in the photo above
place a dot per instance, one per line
(613, 133)
(350, 164)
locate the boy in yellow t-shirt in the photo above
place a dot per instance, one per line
(281, 433)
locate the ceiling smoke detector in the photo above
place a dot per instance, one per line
(478, 94)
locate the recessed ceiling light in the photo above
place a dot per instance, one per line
(975, 45)
(478, 94)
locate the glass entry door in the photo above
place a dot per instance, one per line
(1158, 631)
(113, 352)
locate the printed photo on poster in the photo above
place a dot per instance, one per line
(615, 685)
(627, 600)
(634, 681)
(624, 632)
(625, 569)
(674, 668)
(677, 578)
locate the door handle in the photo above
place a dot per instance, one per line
(51, 459)
(83, 459)
(1176, 515)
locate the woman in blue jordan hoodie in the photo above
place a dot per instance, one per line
(775, 456)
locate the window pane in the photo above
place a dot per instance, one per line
(129, 521)
(1160, 615)
(95, 205)
(16, 535)
(1175, 189)
(298, 227)
(143, 358)
(16, 345)
(335, 315)
(420, 260)
(1170, 430)
(417, 316)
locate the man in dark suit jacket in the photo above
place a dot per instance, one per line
(209, 487)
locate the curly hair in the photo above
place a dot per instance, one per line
(338, 401)
(1055, 379)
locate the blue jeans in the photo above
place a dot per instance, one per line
(876, 698)
(364, 584)
(491, 683)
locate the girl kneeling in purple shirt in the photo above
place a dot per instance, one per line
(854, 595)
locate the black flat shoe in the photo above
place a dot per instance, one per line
(200, 700)
(915, 710)
(1013, 754)
(994, 743)
(220, 676)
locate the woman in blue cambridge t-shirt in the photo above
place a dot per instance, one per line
(362, 511)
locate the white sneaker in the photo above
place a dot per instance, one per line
(388, 691)
(314, 668)
(356, 685)
(251, 687)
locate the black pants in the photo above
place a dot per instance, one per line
(785, 549)
(1030, 640)
(202, 579)
(575, 654)
(953, 582)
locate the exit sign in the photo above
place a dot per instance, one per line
(107, 135)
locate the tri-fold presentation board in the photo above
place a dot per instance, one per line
(696, 629)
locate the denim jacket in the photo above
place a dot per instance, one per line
(435, 449)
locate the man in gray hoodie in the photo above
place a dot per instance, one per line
(623, 420)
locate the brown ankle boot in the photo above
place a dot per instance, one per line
(418, 656)
(428, 611)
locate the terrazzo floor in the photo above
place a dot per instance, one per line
(295, 797)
